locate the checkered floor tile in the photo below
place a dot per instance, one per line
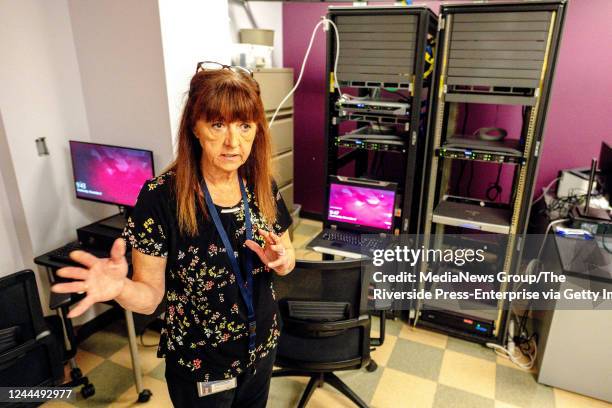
(416, 368)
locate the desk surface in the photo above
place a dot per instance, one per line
(46, 260)
(57, 299)
(68, 299)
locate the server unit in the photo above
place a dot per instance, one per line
(488, 54)
(385, 67)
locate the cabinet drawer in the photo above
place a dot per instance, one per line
(282, 135)
(274, 87)
(283, 168)
(287, 193)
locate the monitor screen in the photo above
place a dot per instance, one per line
(110, 174)
(605, 166)
(364, 206)
(605, 159)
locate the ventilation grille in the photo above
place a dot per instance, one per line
(497, 52)
(377, 50)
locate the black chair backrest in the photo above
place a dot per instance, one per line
(20, 305)
(320, 304)
(332, 282)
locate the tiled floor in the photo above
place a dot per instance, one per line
(416, 368)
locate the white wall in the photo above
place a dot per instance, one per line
(192, 31)
(11, 259)
(104, 71)
(118, 47)
(136, 60)
(267, 15)
(40, 96)
(10, 253)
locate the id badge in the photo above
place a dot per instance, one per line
(213, 387)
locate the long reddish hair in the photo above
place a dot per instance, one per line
(227, 96)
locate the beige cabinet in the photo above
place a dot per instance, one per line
(275, 84)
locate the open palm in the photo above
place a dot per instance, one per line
(102, 278)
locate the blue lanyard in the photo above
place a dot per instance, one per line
(246, 288)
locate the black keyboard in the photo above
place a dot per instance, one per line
(369, 243)
(62, 254)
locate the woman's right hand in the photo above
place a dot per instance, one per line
(101, 278)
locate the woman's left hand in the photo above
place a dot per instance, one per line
(274, 254)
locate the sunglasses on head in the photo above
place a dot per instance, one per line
(212, 66)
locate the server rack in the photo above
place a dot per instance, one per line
(495, 54)
(382, 48)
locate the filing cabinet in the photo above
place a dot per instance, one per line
(275, 84)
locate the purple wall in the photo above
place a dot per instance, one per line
(579, 112)
(309, 100)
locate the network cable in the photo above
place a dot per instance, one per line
(509, 352)
(326, 22)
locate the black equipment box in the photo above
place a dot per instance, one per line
(100, 234)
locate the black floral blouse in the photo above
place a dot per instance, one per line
(205, 337)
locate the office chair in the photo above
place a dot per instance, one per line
(323, 324)
(29, 352)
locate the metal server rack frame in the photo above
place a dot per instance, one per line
(536, 105)
(412, 185)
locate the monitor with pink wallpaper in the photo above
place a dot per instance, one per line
(361, 205)
(110, 174)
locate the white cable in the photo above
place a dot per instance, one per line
(509, 352)
(484, 133)
(336, 80)
(326, 21)
(349, 96)
(534, 263)
(550, 225)
(504, 352)
(545, 190)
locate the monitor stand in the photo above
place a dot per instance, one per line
(116, 221)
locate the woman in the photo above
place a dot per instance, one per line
(205, 235)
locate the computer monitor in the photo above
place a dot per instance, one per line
(605, 166)
(366, 205)
(110, 174)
